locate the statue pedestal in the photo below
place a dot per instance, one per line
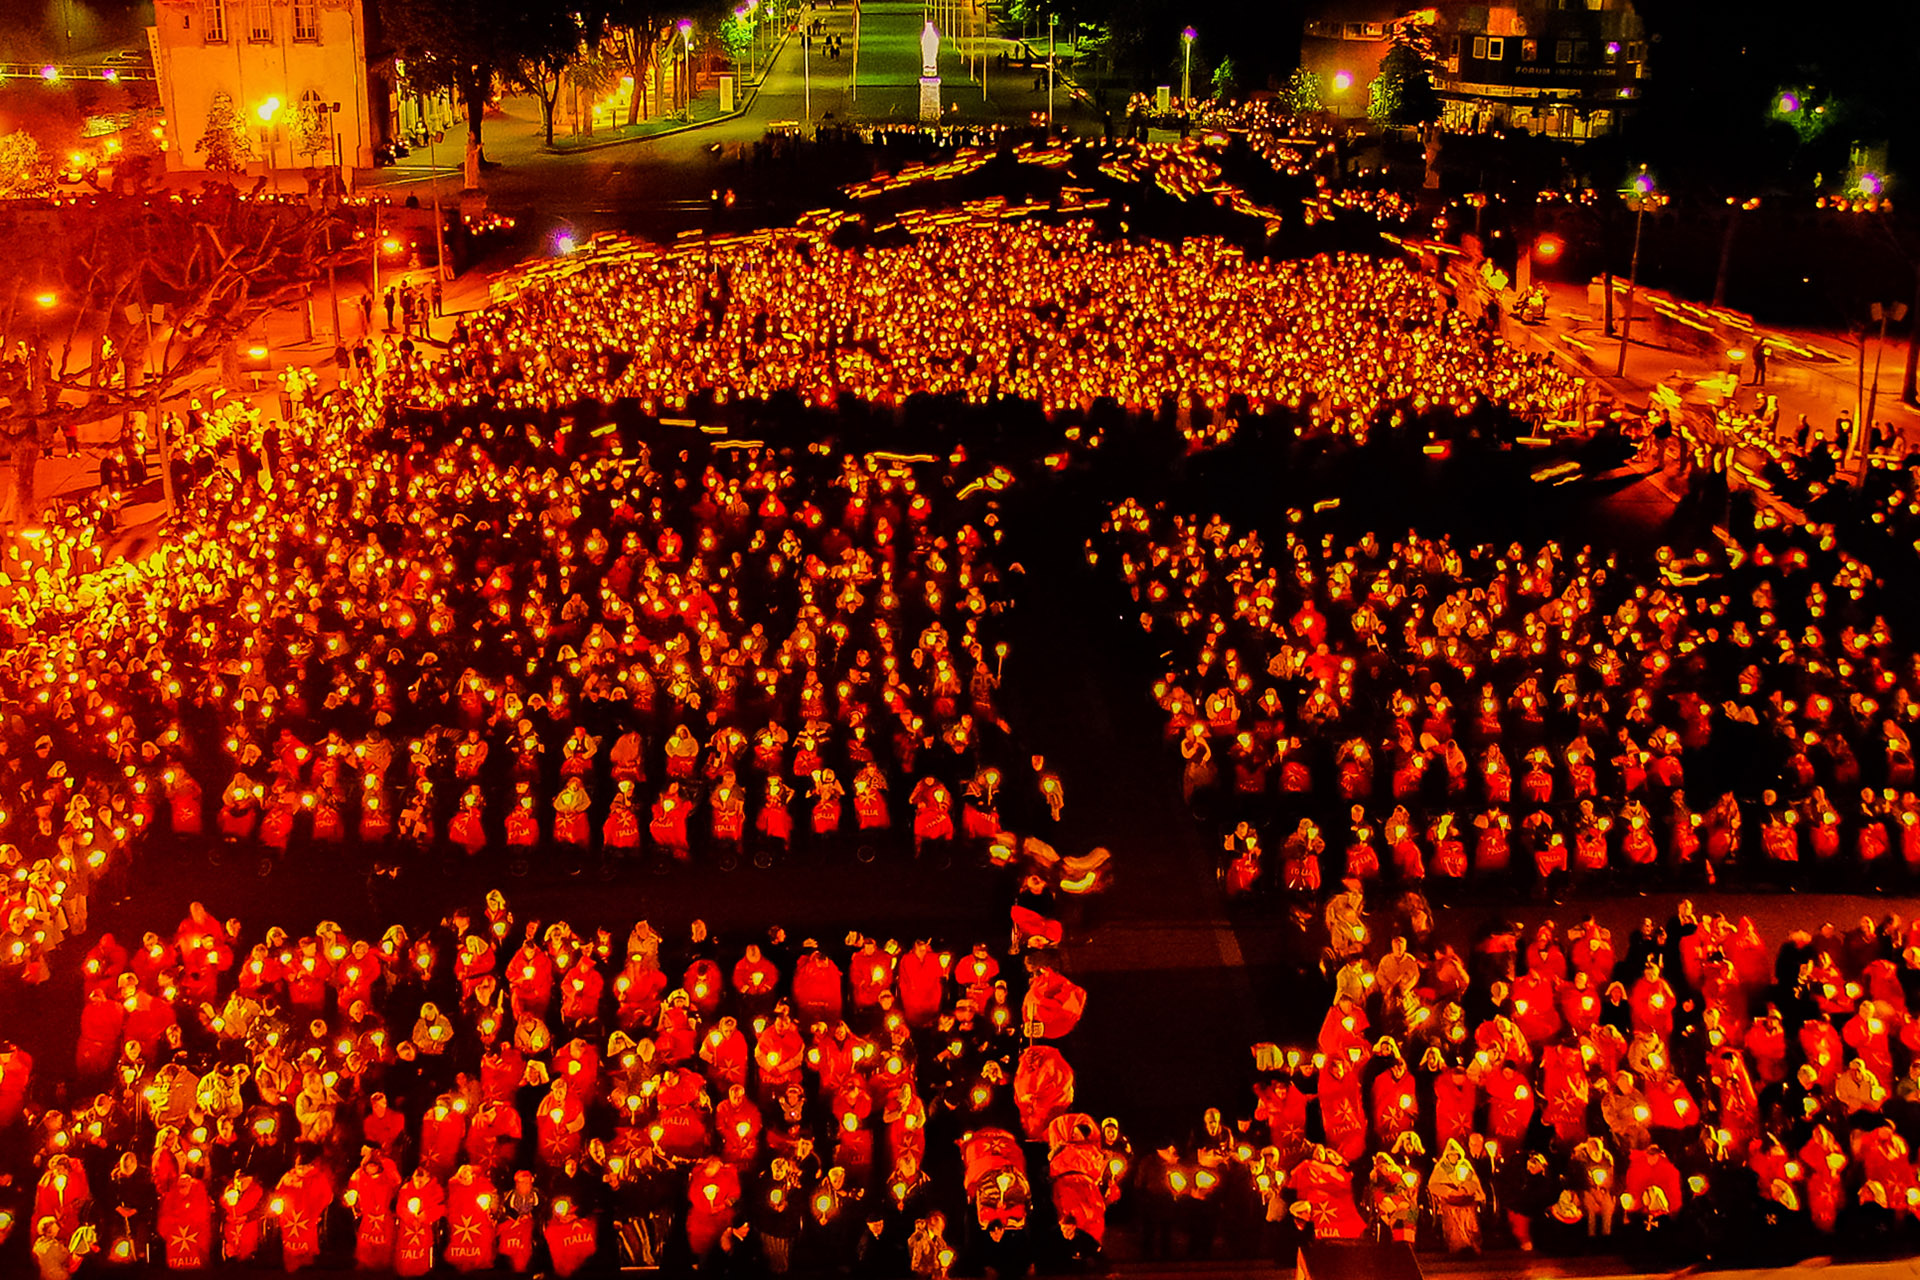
(929, 99)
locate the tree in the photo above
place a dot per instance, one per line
(81, 282)
(24, 170)
(226, 144)
(461, 46)
(1224, 84)
(1402, 95)
(1302, 93)
(630, 32)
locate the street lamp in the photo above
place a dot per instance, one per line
(1640, 193)
(267, 111)
(686, 61)
(1187, 38)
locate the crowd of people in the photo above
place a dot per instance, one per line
(1691, 1088)
(984, 309)
(479, 644)
(1437, 715)
(504, 1088)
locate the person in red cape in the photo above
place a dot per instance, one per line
(1323, 1197)
(185, 1223)
(571, 1240)
(737, 1120)
(443, 1131)
(1076, 1166)
(472, 1202)
(638, 990)
(870, 799)
(922, 974)
(775, 820)
(523, 825)
(101, 1020)
(421, 1204)
(728, 806)
(779, 1053)
(932, 811)
(817, 985)
(561, 1122)
(668, 826)
(976, 973)
(724, 1051)
(242, 1208)
(713, 1191)
(468, 829)
(1053, 1004)
(1042, 1089)
(298, 1204)
(185, 810)
(570, 814)
(530, 977)
(515, 1237)
(370, 1195)
(870, 972)
(827, 793)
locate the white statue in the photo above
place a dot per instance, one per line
(929, 50)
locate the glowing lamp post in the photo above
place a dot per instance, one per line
(267, 111)
(1640, 194)
(685, 27)
(1187, 37)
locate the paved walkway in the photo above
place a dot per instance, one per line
(1822, 388)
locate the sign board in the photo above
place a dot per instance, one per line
(726, 94)
(1163, 99)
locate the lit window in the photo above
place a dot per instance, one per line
(1496, 48)
(1479, 47)
(1563, 51)
(215, 21)
(306, 20)
(259, 21)
(1530, 50)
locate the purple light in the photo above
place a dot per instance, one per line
(1789, 103)
(1189, 35)
(1643, 183)
(1871, 184)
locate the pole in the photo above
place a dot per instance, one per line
(1862, 430)
(440, 223)
(1186, 72)
(1633, 279)
(153, 410)
(853, 79)
(376, 258)
(1859, 397)
(333, 289)
(806, 73)
(1051, 73)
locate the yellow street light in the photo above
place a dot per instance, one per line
(268, 110)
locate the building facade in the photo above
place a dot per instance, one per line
(1341, 45)
(304, 61)
(1562, 68)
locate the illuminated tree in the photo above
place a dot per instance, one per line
(1224, 83)
(120, 297)
(1302, 93)
(24, 170)
(1402, 95)
(226, 144)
